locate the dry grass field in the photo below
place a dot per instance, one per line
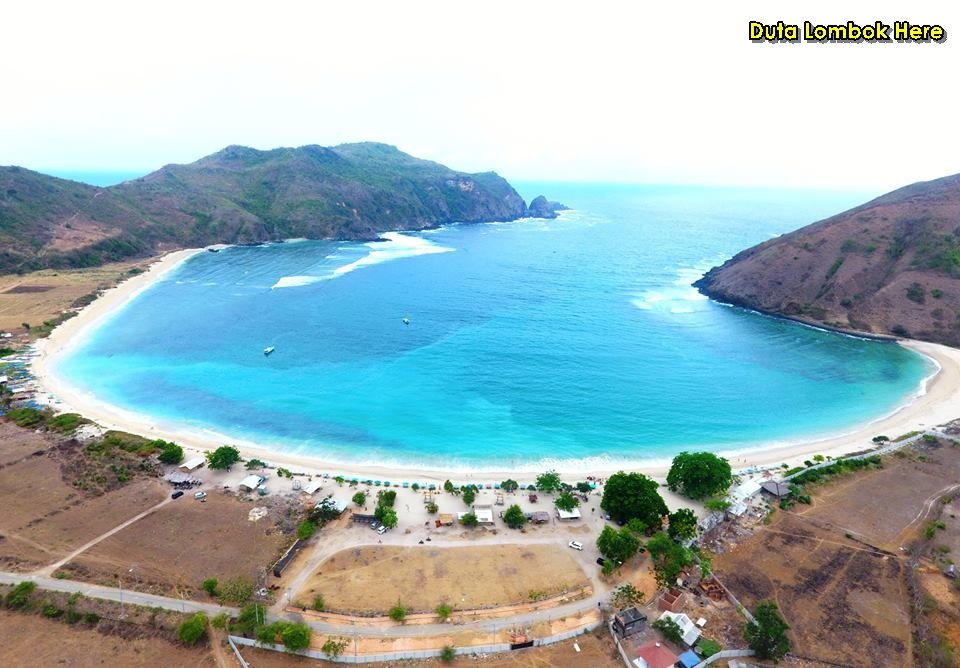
(43, 517)
(174, 549)
(370, 580)
(837, 565)
(83, 647)
(42, 295)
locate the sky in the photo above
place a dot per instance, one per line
(574, 91)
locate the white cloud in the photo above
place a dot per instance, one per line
(538, 90)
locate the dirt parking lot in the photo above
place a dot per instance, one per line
(370, 580)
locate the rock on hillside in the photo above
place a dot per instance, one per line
(890, 266)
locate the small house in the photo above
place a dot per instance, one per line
(445, 519)
(312, 487)
(193, 463)
(688, 630)
(251, 482)
(654, 655)
(484, 514)
(540, 517)
(778, 489)
(629, 621)
(565, 515)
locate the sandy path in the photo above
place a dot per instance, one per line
(939, 403)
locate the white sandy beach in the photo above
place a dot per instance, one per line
(938, 404)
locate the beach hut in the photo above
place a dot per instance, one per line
(251, 482)
(568, 514)
(193, 463)
(484, 514)
(311, 488)
(406, 485)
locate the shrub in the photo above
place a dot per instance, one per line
(708, 647)
(305, 529)
(238, 590)
(318, 603)
(210, 586)
(19, 596)
(258, 464)
(360, 498)
(444, 610)
(448, 654)
(398, 613)
(170, 453)
(51, 611)
(469, 520)
(916, 293)
(334, 647)
(295, 637)
(192, 629)
(432, 508)
(626, 595)
(220, 621)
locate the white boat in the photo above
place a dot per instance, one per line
(405, 321)
(268, 350)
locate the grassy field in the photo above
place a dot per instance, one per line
(42, 295)
(370, 580)
(838, 564)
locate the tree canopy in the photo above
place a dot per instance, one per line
(549, 481)
(767, 636)
(669, 558)
(698, 475)
(514, 517)
(629, 495)
(683, 524)
(223, 457)
(509, 485)
(566, 501)
(192, 629)
(469, 495)
(170, 453)
(617, 545)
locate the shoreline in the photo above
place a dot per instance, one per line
(933, 404)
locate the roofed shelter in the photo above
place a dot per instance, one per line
(776, 488)
(654, 655)
(193, 463)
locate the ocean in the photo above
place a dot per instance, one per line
(575, 342)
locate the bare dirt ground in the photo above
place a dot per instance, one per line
(837, 564)
(174, 549)
(42, 295)
(82, 647)
(596, 651)
(369, 580)
(43, 517)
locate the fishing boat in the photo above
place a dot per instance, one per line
(268, 350)
(405, 321)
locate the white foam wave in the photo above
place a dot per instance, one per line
(396, 246)
(296, 281)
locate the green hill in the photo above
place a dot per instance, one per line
(241, 195)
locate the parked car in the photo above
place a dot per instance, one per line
(601, 561)
(375, 525)
(382, 530)
(199, 495)
(177, 494)
(576, 545)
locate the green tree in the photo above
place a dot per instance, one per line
(237, 590)
(669, 558)
(305, 529)
(210, 586)
(389, 518)
(192, 629)
(398, 613)
(170, 453)
(469, 495)
(432, 508)
(223, 457)
(618, 546)
(448, 654)
(334, 647)
(637, 526)
(255, 464)
(584, 487)
(698, 475)
(514, 517)
(683, 524)
(629, 495)
(444, 610)
(626, 595)
(509, 485)
(360, 498)
(386, 497)
(549, 481)
(469, 520)
(767, 636)
(295, 637)
(670, 629)
(323, 512)
(449, 487)
(566, 501)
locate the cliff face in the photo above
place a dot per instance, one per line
(890, 266)
(241, 195)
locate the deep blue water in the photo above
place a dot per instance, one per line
(568, 339)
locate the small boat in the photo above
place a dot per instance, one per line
(405, 321)
(268, 350)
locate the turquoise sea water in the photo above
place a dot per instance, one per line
(573, 339)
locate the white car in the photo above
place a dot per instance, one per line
(575, 545)
(382, 529)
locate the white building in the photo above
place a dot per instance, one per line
(311, 487)
(251, 482)
(568, 514)
(193, 463)
(688, 630)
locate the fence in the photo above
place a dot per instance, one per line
(413, 654)
(725, 654)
